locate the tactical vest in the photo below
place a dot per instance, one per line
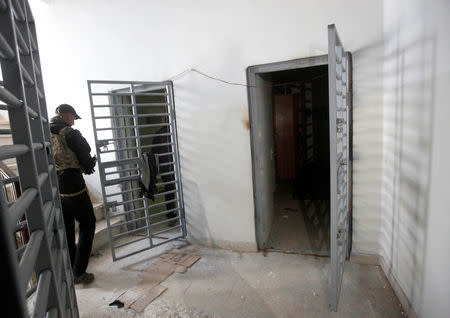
(65, 158)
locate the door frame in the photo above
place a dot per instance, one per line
(255, 100)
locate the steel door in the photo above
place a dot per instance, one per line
(130, 118)
(339, 160)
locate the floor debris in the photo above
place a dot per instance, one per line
(149, 288)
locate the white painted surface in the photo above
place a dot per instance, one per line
(415, 240)
(155, 40)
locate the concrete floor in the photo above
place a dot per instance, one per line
(231, 284)
(299, 225)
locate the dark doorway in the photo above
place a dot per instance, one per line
(289, 116)
(301, 221)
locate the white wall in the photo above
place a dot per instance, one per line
(414, 240)
(155, 40)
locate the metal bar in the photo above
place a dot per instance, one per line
(22, 44)
(157, 145)
(333, 174)
(167, 173)
(65, 295)
(147, 248)
(32, 113)
(121, 171)
(34, 48)
(176, 157)
(120, 180)
(165, 221)
(3, 6)
(129, 243)
(18, 10)
(131, 105)
(42, 293)
(17, 210)
(122, 192)
(115, 215)
(103, 141)
(161, 203)
(166, 230)
(110, 164)
(29, 257)
(9, 99)
(164, 193)
(36, 68)
(42, 178)
(158, 84)
(127, 201)
(132, 126)
(139, 153)
(128, 94)
(167, 183)
(26, 76)
(128, 222)
(119, 150)
(132, 116)
(129, 232)
(5, 49)
(163, 212)
(167, 164)
(101, 165)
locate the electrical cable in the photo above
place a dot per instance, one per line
(189, 70)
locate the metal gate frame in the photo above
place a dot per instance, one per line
(339, 103)
(127, 159)
(46, 253)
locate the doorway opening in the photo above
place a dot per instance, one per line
(301, 221)
(289, 118)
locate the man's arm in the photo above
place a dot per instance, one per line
(82, 150)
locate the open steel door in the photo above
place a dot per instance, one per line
(130, 119)
(339, 160)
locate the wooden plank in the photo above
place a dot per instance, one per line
(151, 294)
(190, 261)
(129, 297)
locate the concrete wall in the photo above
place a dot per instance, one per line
(415, 195)
(155, 40)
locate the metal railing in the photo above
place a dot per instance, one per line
(46, 253)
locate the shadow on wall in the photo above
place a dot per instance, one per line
(367, 147)
(408, 100)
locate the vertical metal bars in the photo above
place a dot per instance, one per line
(23, 94)
(308, 119)
(130, 118)
(339, 160)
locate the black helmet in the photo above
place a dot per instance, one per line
(66, 108)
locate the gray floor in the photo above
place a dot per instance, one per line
(299, 225)
(231, 284)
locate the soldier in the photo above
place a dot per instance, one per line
(72, 158)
